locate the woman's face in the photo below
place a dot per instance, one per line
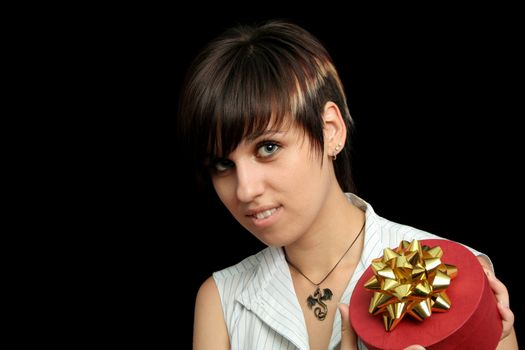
(274, 185)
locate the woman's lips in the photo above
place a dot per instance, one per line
(265, 214)
(265, 217)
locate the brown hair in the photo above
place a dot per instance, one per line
(252, 76)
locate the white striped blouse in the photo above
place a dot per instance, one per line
(258, 298)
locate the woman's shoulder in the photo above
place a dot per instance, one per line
(387, 231)
(209, 325)
(393, 232)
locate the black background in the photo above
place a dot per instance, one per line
(436, 144)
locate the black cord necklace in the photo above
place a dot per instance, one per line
(319, 297)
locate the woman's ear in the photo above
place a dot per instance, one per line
(334, 129)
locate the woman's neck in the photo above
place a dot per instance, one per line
(321, 248)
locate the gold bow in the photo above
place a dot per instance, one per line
(409, 279)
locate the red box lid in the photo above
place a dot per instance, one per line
(472, 322)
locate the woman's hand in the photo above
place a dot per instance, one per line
(502, 296)
(348, 336)
(508, 335)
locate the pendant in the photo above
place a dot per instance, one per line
(321, 309)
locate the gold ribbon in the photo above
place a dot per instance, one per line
(409, 279)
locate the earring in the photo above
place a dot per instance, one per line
(334, 156)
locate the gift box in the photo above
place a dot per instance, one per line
(472, 321)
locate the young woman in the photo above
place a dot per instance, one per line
(264, 109)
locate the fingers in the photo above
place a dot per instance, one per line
(499, 289)
(348, 337)
(502, 296)
(508, 319)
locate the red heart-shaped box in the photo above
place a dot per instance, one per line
(472, 322)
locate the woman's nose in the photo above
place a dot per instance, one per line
(250, 182)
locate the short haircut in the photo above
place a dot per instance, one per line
(253, 77)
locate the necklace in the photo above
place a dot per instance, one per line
(318, 297)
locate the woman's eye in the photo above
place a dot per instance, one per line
(267, 149)
(222, 165)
